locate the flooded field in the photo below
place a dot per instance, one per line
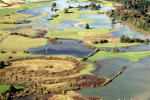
(133, 83)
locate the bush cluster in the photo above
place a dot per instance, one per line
(99, 41)
(124, 39)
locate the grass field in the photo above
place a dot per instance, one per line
(4, 33)
(19, 43)
(27, 31)
(72, 16)
(133, 56)
(76, 34)
(4, 87)
(89, 67)
(13, 17)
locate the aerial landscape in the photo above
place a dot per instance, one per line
(74, 49)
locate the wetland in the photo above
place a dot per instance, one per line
(50, 59)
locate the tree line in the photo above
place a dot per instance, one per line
(133, 12)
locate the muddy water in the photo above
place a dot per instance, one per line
(133, 83)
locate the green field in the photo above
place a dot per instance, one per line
(76, 34)
(4, 87)
(133, 56)
(89, 67)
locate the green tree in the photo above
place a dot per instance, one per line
(116, 49)
(2, 64)
(65, 10)
(11, 89)
(98, 6)
(112, 21)
(53, 4)
(87, 26)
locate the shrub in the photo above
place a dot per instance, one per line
(87, 26)
(122, 67)
(54, 16)
(2, 64)
(67, 74)
(83, 59)
(53, 4)
(65, 10)
(8, 94)
(97, 49)
(79, 41)
(2, 51)
(94, 42)
(57, 81)
(10, 57)
(24, 51)
(121, 51)
(45, 92)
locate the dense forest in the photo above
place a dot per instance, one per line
(133, 12)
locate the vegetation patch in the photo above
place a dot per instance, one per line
(133, 56)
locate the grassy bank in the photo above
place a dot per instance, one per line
(133, 56)
(118, 44)
(72, 15)
(4, 87)
(89, 67)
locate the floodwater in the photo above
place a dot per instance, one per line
(133, 83)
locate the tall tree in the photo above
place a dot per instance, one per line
(87, 26)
